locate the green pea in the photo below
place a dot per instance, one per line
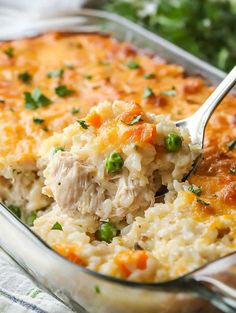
(15, 210)
(173, 142)
(114, 162)
(30, 218)
(106, 232)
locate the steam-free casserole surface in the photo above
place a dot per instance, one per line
(89, 68)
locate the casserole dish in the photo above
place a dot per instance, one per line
(63, 278)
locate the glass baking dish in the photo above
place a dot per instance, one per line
(77, 286)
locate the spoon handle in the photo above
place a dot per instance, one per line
(197, 122)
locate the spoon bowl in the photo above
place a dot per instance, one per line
(196, 124)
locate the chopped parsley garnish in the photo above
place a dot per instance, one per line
(9, 52)
(197, 191)
(57, 226)
(83, 124)
(148, 92)
(38, 120)
(30, 218)
(75, 111)
(202, 202)
(132, 64)
(97, 289)
(136, 119)
(55, 73)
(70, 66)
(56, 149)
(149, 75)
(36, 99)
(63, 91)
(114, 162)
(25, 77)
(15, 210)
(169, 93)
(88, 76)
(232, 170)
(231, 145)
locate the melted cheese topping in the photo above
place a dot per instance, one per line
(98, 68)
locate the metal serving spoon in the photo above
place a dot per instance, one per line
(196, 124)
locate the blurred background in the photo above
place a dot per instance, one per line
(206, 28)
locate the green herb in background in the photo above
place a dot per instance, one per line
(205, 28)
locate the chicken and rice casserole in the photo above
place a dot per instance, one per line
(87, 141)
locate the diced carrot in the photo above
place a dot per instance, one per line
(69, 252)
(128, 261)
(140, 133)
(127, 116)
(94, 119)
(141, 259)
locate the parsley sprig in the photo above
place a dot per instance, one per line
(38, 120)
(136, 119)
(231, 145)
(75, 111)
(63, 91)
(36, 99)
(83, 124)
(202, 202)
(148, 92)
(57, 226)
(25, 77)
(133, 65)
(169, 93)
(56, 149)
(232, 170)
(55, 73)
(197, 191)
(9, 52)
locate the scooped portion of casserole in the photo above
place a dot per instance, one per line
(111, 164)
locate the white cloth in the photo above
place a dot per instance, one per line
(18, 15)
(18, 292)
